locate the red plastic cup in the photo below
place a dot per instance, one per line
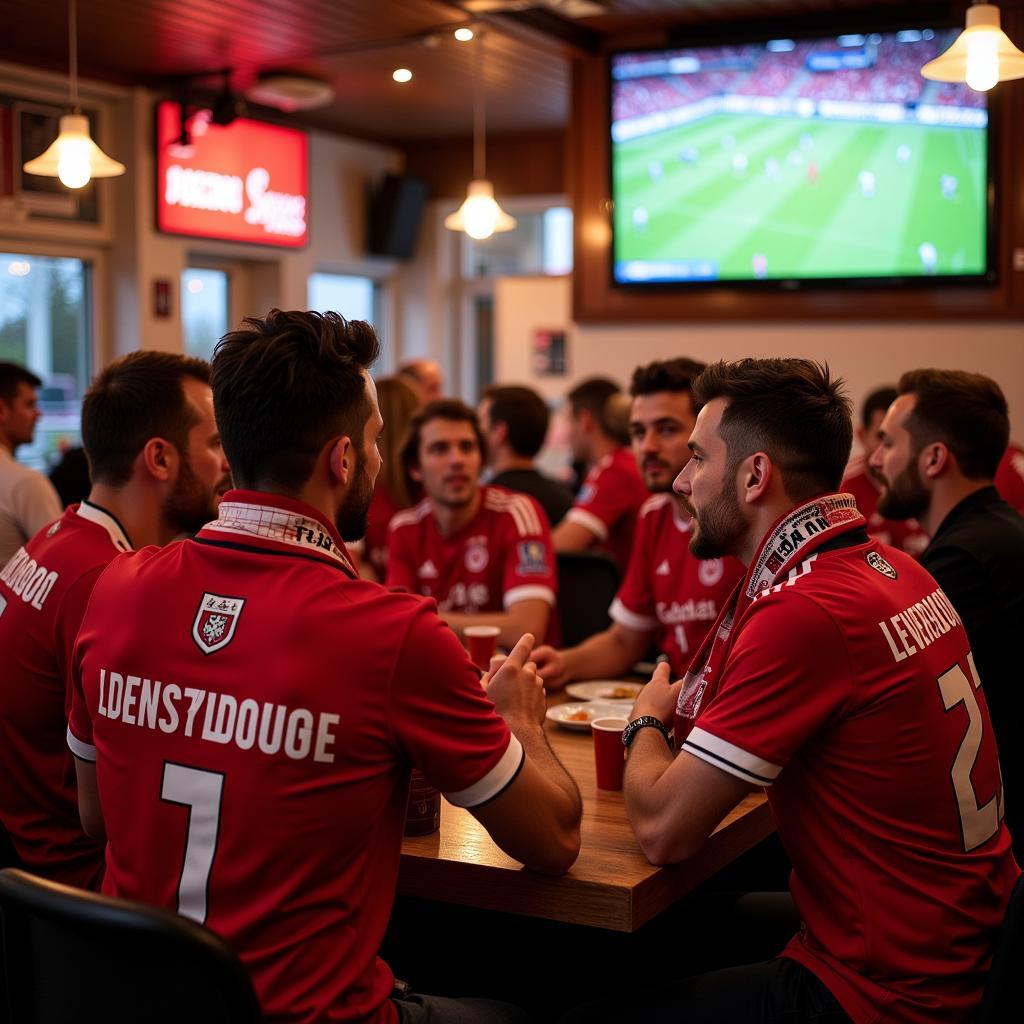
(609, 753)
(481, 642)
(423, 814)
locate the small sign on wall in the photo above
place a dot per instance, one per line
(161, 298)
(549, 353)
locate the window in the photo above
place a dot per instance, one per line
(540, 243)
(355, 298)
(45, 325)
(204, 309)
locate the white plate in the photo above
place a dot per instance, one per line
(604, 689)
(561, 713)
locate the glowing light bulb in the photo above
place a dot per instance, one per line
(479, 215)
(982, 60)
(402, 75)
(73, 165)
(463, 34)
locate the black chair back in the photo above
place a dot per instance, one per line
(587, 584)
(1004, 991)
(8, 855)
(72, 955)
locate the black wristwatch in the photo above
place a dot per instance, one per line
(644, 722)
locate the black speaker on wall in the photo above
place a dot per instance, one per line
(394, 215)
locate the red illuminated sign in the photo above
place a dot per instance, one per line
(246, 182)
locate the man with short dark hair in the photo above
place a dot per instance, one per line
(27, 499)
(158, 467)
(514, 420)
(942, 441)
(244, 736)
(424, 377)
(483, 553)
(814, 686)
(667, 595)
(606, 507)
(861, 482)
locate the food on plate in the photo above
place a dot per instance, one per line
(581, 715)
(622, 693)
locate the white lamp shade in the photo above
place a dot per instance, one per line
(479, 215)
(981, 55)
(73, 156)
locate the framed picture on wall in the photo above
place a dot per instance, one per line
(29, 128)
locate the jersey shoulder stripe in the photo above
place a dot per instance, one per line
(522, 510)
(410, 516)
(653, 503)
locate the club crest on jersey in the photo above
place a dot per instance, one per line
(879, 564)
(215, 621)
(477, 556)
(710, 571)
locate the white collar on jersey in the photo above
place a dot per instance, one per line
(101, 517)
(278, 524)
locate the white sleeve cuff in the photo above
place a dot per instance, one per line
(83, 751)
(527, 592)
(589, 520)
(730, 758)
(495, 781)
(619, 613)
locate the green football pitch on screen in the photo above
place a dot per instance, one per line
(775, 197)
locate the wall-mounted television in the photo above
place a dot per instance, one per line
(798, 161)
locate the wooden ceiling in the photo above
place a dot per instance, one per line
(355, 45)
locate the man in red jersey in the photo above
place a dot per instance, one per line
(157, 467)
(860, 481)
(245, 736)
(840, 679)
(604, 515)
(482, 552)
(668, 594)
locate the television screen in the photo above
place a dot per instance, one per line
(792, 160)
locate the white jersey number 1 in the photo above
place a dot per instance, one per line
(200, 791)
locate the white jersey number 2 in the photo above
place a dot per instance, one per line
(978, 823)
(200, 791)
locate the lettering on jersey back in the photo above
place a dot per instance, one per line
(216, 620)
(919, 625)
(28, 580)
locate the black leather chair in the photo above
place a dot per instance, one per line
(72, 955)
(587, 584)
(1004, 991)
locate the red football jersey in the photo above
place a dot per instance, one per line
(849, 690)
(609, 501)
(254, 710)
(44, 589)
(1010, 477)
(904, 534)
(501, 556)
(667, 588)
(375, 543)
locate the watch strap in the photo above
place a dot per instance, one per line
(645, 722)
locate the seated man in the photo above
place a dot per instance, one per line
(158, 468)
(280, 702)
(514, 421)
(668, 594)
(841, 680)
(609, 501)
(942, 440)
(482, 552)
(861, 481)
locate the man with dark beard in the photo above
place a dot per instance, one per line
(256, 711)
(840, 679)
(942, 442)
(157, 467)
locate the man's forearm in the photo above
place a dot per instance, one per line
(606, 655)
(539, 751)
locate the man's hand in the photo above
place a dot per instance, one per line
(514, 686)
(659, 696)
(551, 667)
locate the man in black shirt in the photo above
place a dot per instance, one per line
(515, 422)
(942, 440)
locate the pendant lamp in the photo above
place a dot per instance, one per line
(479, 215)
(73, 156)
(981, 55)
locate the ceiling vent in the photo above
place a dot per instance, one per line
(563, 8)
(289, 92)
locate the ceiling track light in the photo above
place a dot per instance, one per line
(981, 55)
(73, 157)
(479, 216)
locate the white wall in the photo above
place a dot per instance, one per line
(865, 354)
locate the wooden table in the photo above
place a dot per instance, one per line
(612, 885)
